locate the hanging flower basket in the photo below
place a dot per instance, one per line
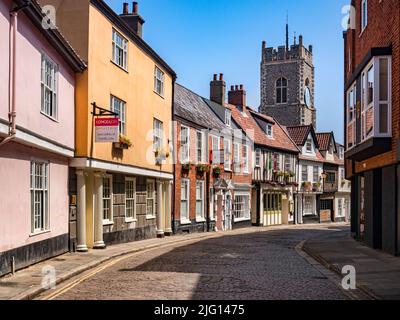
(201, 169)
(217, 171)
(186, 168)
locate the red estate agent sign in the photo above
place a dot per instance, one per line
(107, 129)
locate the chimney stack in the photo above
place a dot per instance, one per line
(218, 89)
(126, 8)
(300, 40)
(134, 20)
(237, 96)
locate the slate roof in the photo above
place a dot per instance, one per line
(248, 120)
(192, 107)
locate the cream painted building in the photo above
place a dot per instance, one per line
(121, 191)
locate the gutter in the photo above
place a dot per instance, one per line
(12, 115)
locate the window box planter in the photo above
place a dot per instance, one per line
(123, 144)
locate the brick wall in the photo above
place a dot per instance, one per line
(383, 30)
(193, 177)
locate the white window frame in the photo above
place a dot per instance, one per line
(216, 150)
(185, 220)
(269, 131)
(110, 199)
(119, 106)
(364, 15)
(309, 147)
(200, 147)
(227, 155)
(245, 156)
(236, 158)
(200, 184)
(228, 117)
(129, 199)
(304, 172)
(351, 114)
(316, 176)
(341, 208)
(185, 144)
(49, 86)
(159, 79)
(151, 197)
(158, 134)
(40, 185)
(376, 104)
(257, 160)
(118, 49)
(246, 207)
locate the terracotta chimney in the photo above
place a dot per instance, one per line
(126, 8)
(237, 97)
(218, 89)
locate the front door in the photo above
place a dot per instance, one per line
(273, 209)
(228, 212)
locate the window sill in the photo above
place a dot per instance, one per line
(160, 95)
(49, 117)
(130, 220)
(199, 220)
(38, 233)
(185, 222)
(242, 219)
(108, 223)
(119, 67)
(149, 217)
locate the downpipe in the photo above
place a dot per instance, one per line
(12, 115)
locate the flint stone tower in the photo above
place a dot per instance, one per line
(287, 83)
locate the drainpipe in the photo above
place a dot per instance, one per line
(12, 115)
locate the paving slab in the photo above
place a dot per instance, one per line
(377, 273)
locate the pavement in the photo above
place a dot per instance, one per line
(377, 273)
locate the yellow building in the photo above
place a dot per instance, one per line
(124, 189)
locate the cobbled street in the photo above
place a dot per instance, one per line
(245, 266)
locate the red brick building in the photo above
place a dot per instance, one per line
(372, 106)
(213, 167)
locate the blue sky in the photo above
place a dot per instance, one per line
(198, 38)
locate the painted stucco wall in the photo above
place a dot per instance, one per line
(135, 87)
(30, 46)
(15, 199)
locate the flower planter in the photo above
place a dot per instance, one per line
(121, 146)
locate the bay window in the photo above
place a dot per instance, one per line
(374, 109)
(242, 207)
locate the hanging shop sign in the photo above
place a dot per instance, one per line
(107, 129)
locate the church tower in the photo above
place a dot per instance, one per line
(287, 83)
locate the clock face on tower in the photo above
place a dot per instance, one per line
(307, 97)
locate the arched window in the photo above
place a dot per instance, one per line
(281, 90)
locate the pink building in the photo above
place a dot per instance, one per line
(37, 97)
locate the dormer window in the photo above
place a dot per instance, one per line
(228, 118)
(309, 146)
(269, 130)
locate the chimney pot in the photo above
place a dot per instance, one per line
(241, 87)
(236, 88)
(221, 77)
(126, 8)
(135, 7)
(215, 77)
(232, 88)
